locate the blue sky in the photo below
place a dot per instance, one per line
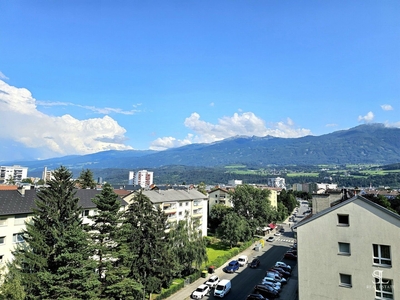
(78, 77)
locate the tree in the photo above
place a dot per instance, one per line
(27, 180)
(12, 288)
(10, 180)
(188, 245)
(108, 248)
(202, 188)
(234, 229)
(55, 262)
(86, 180)
(149, 258)
(253, 204)
(217, 214)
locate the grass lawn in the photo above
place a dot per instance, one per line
(302, 174)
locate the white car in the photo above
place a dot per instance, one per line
(242, 260)
(272, 280)
(201, 291)
(277, 234)
(282, 264)
(212, 281)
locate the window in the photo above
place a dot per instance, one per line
(3, 221)
(345, 280)
(382, 255)
(20, 219)
(383, 288)
(2, 240)
(1, 258)
(343, 220)
(187, 203)
(85, 213)
(18, 238)
(180, 213)
(180, 203)
(344, 248)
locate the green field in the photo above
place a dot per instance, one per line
(300, 174)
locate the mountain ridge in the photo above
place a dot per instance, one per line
(363, 144)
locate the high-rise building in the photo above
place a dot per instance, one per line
(143, 178)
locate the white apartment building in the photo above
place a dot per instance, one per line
(277, 182)
(16, 173)
(349, 251)
(176, 203)
(142, 178)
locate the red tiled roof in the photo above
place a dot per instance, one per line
(4, 187)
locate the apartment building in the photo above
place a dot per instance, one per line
(16, 173)
(176, 203)
(16, 208)
(349, 251)
(142, 178)
(219, 196)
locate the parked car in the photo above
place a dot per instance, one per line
(270, 239)
(284, 266)
(232, 267)
(200, 292)
(272, 280)
(256, 297)
(284, 273)
(290, 255)
(277, 234)
(294, 251)
(222, 288)
(212, 281)
(275, 285)
(282, 230)
(242, 260)
(255, 263)
(276, 276)
(266, 291)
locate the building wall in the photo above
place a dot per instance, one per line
(143, 178)
(319, 263)
(219, 196)
(17, 173)
(321, 202)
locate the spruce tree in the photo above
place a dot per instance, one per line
(86, 180)
(150, 260)
(109, 251)
(55, 262)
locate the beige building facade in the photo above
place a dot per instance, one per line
(349, 251)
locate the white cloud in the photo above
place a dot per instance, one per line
(23, 123)
(2, 76)
(367, 118)
(212, 104)
(386, 107)
(104, 110)
(246, 123)
(331, 125)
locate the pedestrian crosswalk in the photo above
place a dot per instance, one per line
(285, 240)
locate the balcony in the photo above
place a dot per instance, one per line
(169, 207)
(171, 217)
(197, 213)
(198, 203)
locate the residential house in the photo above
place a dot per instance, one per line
(349, 251)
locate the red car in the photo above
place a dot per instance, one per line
(290, 255)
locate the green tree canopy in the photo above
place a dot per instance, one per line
(234, 229)
(55, 263)
(86, 180)
(217, 214)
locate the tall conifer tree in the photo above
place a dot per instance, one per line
(109, 250)
(55, 261)
(151, 261)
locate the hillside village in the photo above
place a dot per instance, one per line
(180, 203)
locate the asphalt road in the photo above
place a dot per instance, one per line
(244, 280)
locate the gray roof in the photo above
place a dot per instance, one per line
(159, 196)
(357, 197)
(12, 202)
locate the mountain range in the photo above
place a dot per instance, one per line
(364, 144)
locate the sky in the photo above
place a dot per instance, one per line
(78, 77)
